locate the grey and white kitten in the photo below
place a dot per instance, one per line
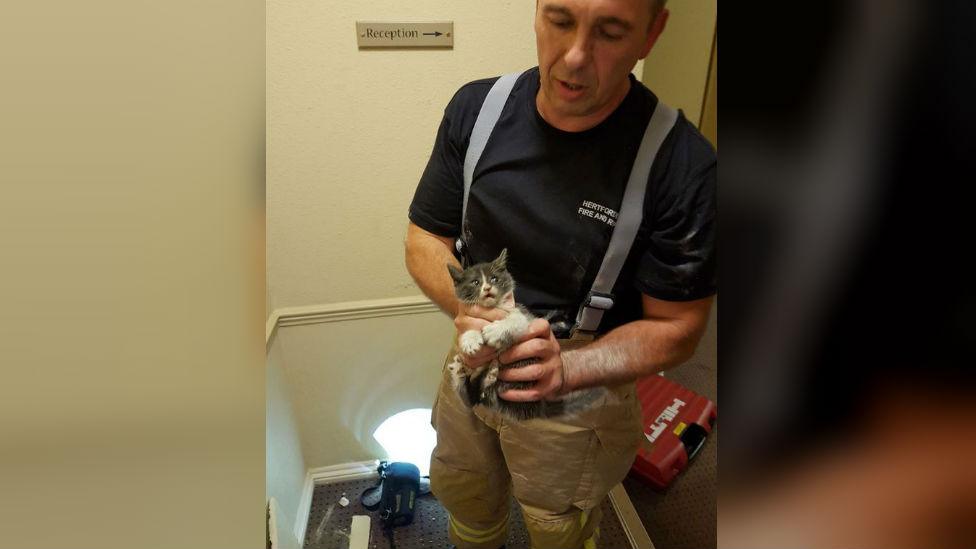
(490, 285)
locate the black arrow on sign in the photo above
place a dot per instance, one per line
(433, 33)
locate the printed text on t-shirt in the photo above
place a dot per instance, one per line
(596, 211)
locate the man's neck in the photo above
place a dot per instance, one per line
(580, 123)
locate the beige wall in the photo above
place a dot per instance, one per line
(677, 68)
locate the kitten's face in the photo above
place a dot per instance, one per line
(483, 284)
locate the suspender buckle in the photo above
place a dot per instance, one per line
(599, 300)
(581, 335)
(588, 321)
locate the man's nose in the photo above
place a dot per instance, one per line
(578, 54)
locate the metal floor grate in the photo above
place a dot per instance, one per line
(328, 522)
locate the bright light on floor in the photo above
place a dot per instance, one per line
(408, 437)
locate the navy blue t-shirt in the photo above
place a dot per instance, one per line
(551, 197)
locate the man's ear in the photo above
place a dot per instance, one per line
(502, 258)
(455, 272)
(657, 27)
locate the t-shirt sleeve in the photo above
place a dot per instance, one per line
(436, 205)
(678, 262)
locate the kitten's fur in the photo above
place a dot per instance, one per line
(490, 285)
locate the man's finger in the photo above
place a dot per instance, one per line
(490, 315)
(466, 323)
(529, 372)
(484, 352)
(538, 328)
(533, 348)
(478, 359)
(521, 395)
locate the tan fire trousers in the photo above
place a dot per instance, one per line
(559, 470)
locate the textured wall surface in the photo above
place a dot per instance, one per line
(350, 131)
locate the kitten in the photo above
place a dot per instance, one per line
(490, 285)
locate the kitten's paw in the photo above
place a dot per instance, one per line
(496, 334)
(470, 342)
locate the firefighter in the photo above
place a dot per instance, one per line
(549, 186)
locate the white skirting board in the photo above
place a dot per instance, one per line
(619, 500)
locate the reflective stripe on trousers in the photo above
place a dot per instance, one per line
(463, 535)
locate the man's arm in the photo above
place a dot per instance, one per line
(427, 256)
(666, 337)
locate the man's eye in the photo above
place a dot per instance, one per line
(562, 23)
(610, 35)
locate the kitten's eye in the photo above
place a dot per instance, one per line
(475, 283)
(493, 279)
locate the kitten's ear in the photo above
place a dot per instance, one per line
(502, 258)
(455, 272)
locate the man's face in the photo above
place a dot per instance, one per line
(586, 50)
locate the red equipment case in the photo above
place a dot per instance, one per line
(676, 424)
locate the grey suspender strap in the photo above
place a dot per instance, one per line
(491, 109)
(600, 298)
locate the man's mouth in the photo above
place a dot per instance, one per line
(570, 85)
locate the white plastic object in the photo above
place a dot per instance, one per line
(359, 532)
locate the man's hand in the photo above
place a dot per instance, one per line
(547, 374)
(475, 317)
